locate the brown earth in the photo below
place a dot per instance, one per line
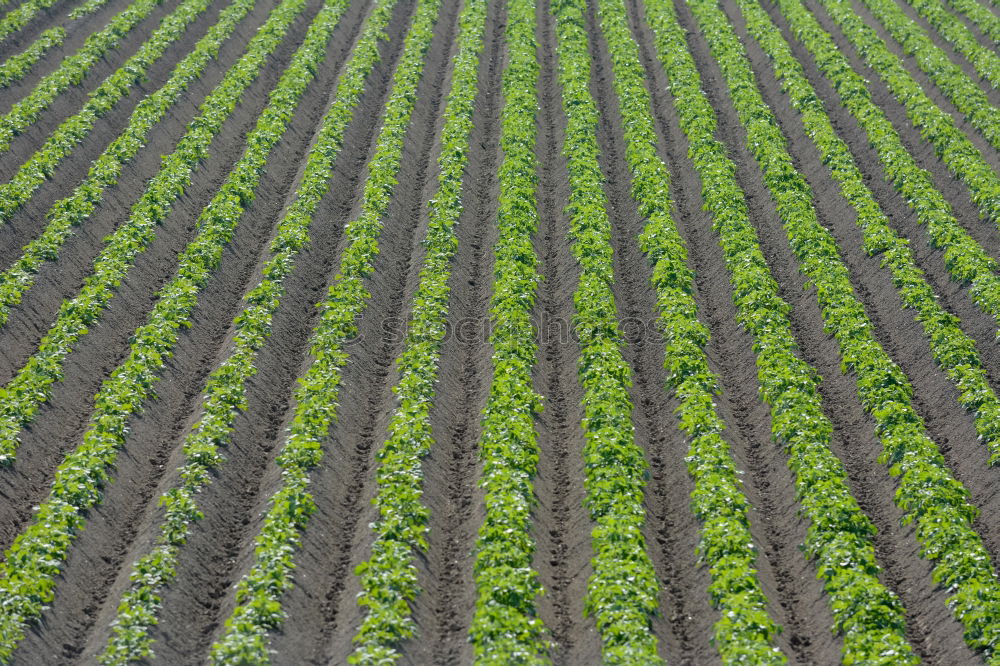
(322, 612)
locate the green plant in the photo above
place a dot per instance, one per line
(259, 593)
(388, 577)
(839, 536)
(17, 66)
(505, 626)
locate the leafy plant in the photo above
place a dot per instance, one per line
(928, 494)
(622, 591)
(227, 385)
(72, 131)
(32, 562)
(17, 18)
(20, 398)
(259, 593)
(505, 626)
(388, 577)
(17, 66)
(966, 261)
(935, 126)
(839, 536)
(73, 210)
(952, 348)
(986, 61)
(744, 632)
(986, 20)
(72, 70)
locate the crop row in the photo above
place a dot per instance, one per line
(88, 7)
(986, 61)
(622, 593)
(966, 261)
(928, 493)
(936, 126)
(20, 398)
(16, 19)
(34, 559)
(839, 535)
(744, 633)
(17, 66)
(388, 577)
(259, 593)
(986, 20)
(226, 389)
(951, 347)
(42, 164)
(106, 169)
(71, 70)
(505, 626)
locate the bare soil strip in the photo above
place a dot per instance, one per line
(672, 530)
(789, 581)
(100, 555)
(562, 526)
(74, 97)
(28, 223)
(879, 90)
(61, 421)
(954, 191)
(953, 54)
(221, 547)
(945, 423)
(323, 615)
(30, 320)
(77, 32)
(935, 396)
(954, 297)
(443, 609)
(977, 32)
(25, 144)
(930, 627)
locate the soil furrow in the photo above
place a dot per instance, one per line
(935, 396)
(100, 556)
(70, 100)
(984, 39)
(671, 529)
(443, 609)
(935, 635)
(55, 281)
(953, 53)
(77, 31)
(323, 615)
(61, 421)
(954, 190)
(562, 526)
(946, 47)
(27, 223)
(220, 548)
(788, 579)
(954, 296)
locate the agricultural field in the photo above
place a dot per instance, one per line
(500, 332)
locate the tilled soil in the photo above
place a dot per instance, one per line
(322, 612)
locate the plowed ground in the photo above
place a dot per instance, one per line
(322, 613)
